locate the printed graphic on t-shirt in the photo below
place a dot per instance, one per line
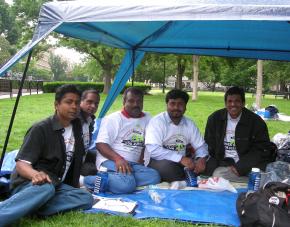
(69, 142)
(175, 143)
(230, 145)
(134, 137)
(86, 136)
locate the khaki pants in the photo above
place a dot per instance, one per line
(227, 173)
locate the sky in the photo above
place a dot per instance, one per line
(9, 1)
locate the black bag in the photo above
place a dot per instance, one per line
(273, 110)
(269, 206)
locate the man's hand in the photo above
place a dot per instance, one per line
(40, 178)
(200, 165)
(234, 170)
(123, 166)
(25, 170)
(187, 162)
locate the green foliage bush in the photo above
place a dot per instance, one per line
(144, 87)
(50, 87)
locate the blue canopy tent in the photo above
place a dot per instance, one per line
(256, 29)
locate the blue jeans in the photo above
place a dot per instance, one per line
(44, 200)
(120, 183)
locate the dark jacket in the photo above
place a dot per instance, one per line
(44, 148)
(251, 139)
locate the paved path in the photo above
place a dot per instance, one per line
(6, 95)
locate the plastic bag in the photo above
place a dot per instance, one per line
(217, 183)
(153, 193)
(178, 185)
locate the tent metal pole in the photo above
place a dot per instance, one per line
(133, 76)
(15, 108)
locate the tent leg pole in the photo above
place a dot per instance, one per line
(15, 108)
(133, 76)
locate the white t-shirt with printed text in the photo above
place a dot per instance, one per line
(161, 131)
(69, 142)
(124, 135)
(229, 140)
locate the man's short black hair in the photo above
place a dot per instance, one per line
(134, 91)
(88, 91)
(175, 94)
(235, 91)
(64, 89)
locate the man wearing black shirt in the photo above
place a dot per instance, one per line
(46, 178)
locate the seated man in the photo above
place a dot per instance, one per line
(120, 144)
(237, 139)
(168, 135)
(48, 164)
(89, 105)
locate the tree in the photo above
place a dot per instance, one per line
(211, 70)
(58, 67)
(152, 67)
(106, 57)
(181, 65)
(195, 69)
(4, 50)
(239, 72)
(26, 13)
(8, 26)
(277, 73)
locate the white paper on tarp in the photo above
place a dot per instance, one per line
(114, 204)
(217, 183)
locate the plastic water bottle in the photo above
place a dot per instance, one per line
(154, 195)
(191, 178)
(101, 182)
(254, 180)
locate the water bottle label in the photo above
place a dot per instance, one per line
(97, 185)
(101, 183)
(254, 181)
(191, 178)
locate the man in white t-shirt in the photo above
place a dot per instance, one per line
(169, 135)
(237, 139)
(120, 145)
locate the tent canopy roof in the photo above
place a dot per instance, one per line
(257, 29)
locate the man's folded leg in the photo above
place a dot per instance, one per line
(26, 199)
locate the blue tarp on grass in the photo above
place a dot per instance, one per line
(195, 206)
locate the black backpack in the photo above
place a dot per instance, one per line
(269, 206)
(273, 110)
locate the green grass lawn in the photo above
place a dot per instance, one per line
(36, 107)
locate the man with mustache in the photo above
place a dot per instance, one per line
(46, 178)
(168, 135)
(90, 100)
(120, 145)
(237, 139)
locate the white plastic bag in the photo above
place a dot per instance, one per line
(217, 183)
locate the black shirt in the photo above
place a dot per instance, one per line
(44, 148)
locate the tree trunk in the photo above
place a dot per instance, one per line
(282, 85)
(107, 81)
(259, 83)
(213, 87)
(195, 60)
(180, 70)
